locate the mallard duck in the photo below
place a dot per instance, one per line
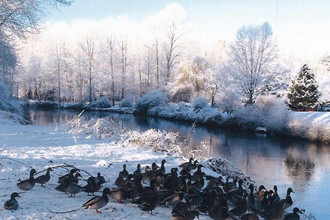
(137, 173)
(186, 163)
(44, 178)
(150, 203)
(29, 183)
(124, 173)
(98, 202)
(294, 215)
(173, 199)
(250, 216)
(240, 207)
(287, 202)
(185, 215)
(162, 167)
(12, 203)
(73, 189)
(70, 175)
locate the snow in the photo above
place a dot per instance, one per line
(26, 146)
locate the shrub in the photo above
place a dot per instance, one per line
(102, 102)
(150, 100)
(200, 103)
(127, 102)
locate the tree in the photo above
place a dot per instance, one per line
(251, 60)
(303, 92)
(18, 17)
(88, 49)
(171, 50)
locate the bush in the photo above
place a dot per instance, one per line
(151, 99)
(127, 102)
(200, 103)
(268, 111)
(102, 102)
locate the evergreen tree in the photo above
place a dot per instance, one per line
(303, 93)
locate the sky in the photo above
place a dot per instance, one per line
(301, 27)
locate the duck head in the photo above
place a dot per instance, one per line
(296, 210)
(191, 160)
(14, 195)
(32, 172)
(275, 188)
(261, 187)
(163, 161)
(289, 191)
(49, 169)
(154, 166)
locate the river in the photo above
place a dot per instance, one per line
(285, 162)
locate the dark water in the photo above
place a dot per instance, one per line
(302, 165)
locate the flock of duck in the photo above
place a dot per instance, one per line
(188, 192)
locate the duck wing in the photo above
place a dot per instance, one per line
(11, 204)
(90, 203)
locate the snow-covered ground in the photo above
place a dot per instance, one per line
(25, 146)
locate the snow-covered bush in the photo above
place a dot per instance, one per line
(6, 101)
(209, 115)
(73, 105)
(102, 102)
(268, 111)
(200, 103)
(228, 101)
(98, 128)
(43, 104)
(156, 140)
(309, 125)
(150, 100)
(127, 102)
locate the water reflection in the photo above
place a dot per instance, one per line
(287, 163)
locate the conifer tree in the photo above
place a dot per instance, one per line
(303, 92)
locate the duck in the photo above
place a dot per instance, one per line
(250, 216)
(186, 163)
(219, 210)
(185, 215)
(124, 173)
(150, 203)
(275, 197)
(72, 188)
(120, 180)
(44, 178)
(137, 173)
(98, 202)
(162, 167)
(241, 206)
(251, 199)
(287, 202)
(70, 175)
(185, 170)
(28, 183)
(173, 199)
(294, 215)
(172, 181)
(12, 203)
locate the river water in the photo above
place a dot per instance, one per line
(285, 162)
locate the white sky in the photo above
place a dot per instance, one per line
(301, 27)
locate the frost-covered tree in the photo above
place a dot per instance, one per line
(303, 92)
(251, 61)
(18, 17)
(193, 80)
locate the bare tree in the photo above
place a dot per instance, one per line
(19, 17)
(110, 52)
(251, 59)
(171, 49)
(123, 65)
(88, 49)
(155, 50)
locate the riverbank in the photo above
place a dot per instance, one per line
(270, 117)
